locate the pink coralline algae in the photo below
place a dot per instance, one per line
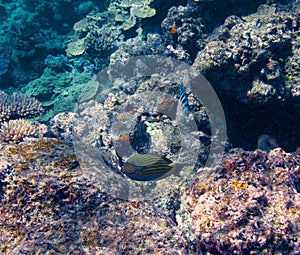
(249, 205)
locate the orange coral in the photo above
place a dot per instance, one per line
(238, 184)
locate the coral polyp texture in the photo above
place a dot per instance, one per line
(48, 206)
(16, 130)
(249, 205)
(18, 106)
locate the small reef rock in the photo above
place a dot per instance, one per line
(250, 204)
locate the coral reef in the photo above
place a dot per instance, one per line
(252, 52)
(187, 28)
(3, 66)
(13, 109)
(57, 91)
(18, 106)
(153, 130)
(24, 23)
(99, 34)
(251, 62)
(49, 206)
(61, 126)
(68, 195)
(27, 37)
(248, 205)
(100, 43)
(183, 42)
(96, 35)
(16, 130)
(58, 63)
(266, 78)
(128, 12)
(292, 68)
(139, 46)
(32, 30)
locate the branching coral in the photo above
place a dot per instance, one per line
(16, 130)
(18, 106)
(99, 42)
(13, 108)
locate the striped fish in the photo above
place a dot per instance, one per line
(184, 100)
(146, 167)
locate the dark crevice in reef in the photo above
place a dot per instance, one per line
(213, 12)
(216, 11)
(245, 123)
(153, 24)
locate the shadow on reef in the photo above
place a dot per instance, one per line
(281, 121)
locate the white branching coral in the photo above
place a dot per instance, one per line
(15, 130)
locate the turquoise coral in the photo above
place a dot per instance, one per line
(57, 91)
